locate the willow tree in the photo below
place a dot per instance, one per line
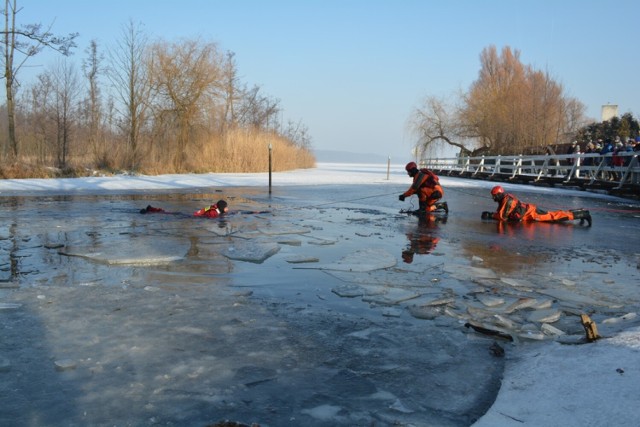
(511, 108)
(434, 123)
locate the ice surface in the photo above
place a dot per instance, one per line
(220, 333)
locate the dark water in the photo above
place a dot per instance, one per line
(290, 316)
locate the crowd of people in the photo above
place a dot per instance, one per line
(612, 150)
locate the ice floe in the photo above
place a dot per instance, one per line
(251, 251)
(362, 261)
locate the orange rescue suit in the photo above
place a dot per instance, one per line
(512, 209)
(426, 185)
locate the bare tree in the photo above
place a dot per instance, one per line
(129, 76)
(231, 92)
(435, 123)
(20, 44)
(298, 134)
(39, 101)
(186, 77)
(92, 68)
(256, 110)
(66, 90)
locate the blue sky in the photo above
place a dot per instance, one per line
(353, 70)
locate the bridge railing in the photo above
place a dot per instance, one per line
(582, 169)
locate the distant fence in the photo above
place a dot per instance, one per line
(588, 171)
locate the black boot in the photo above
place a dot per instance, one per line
(582, 215)
(443, 206)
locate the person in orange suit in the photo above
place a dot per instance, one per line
(512, 209)
(426, 185)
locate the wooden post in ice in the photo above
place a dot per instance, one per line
(388, 166)
(270, 150)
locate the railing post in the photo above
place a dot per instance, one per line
(496, 166)
(632, 164)
(517, 168)
(388, 166)
(544, 169)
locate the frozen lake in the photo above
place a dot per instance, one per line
(308, 314)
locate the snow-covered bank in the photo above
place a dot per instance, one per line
(595, 384)
(324, 174)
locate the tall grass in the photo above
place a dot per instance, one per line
(239, 151)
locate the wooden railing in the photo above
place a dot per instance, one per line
(583, 170)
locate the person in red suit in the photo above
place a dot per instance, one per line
(512, 209)
(426, 185)
(213, 211)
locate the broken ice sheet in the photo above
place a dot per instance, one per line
(362, 261)
(465, 272)
(392, 296)
(489, 300)
(567, 295)
(425, 312)
(279, 230)
(289, 242)
(251, 251)
(301, 259)
(131, 252)
(517, 283)
(384, 277)
(348, 291)
(322, 242)
(545, 316)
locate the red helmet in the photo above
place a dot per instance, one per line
(497, 191)
(411, 166)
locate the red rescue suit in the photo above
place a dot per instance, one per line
(208, 212)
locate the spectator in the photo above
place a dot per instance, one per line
(629, 149)
(574, 149)
(617, 160)
(607, 151)
(588, 161)
(551, 152)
